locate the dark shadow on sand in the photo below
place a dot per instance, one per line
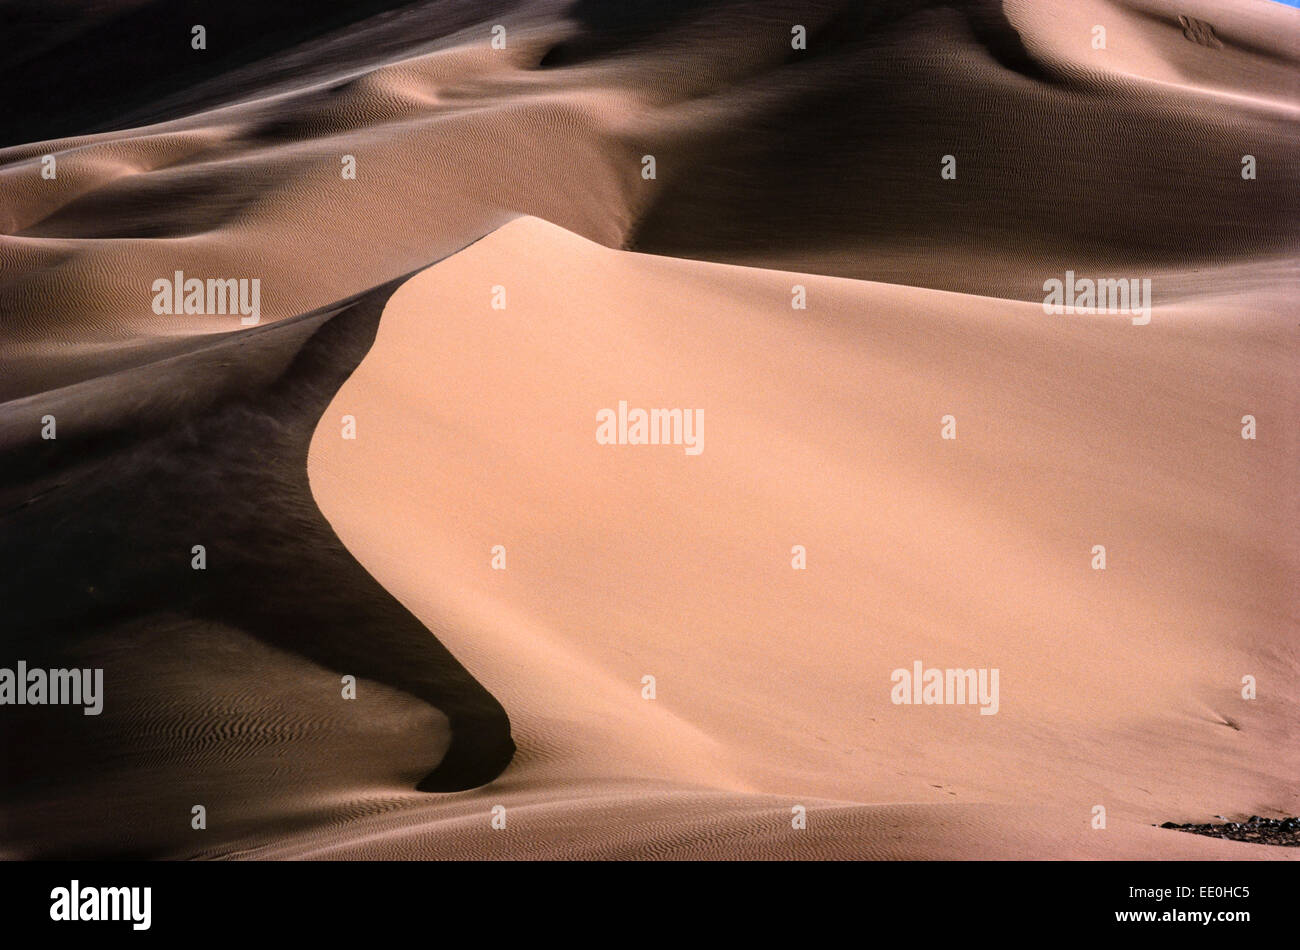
(97, 530)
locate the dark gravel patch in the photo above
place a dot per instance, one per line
(1279, 831)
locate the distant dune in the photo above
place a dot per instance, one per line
(626, 205)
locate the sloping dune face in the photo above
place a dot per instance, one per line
(565, 571)
(835, 254)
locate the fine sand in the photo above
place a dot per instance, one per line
(521, 168)
(822, 428)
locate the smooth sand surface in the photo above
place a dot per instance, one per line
(822, 428)
(522, 168)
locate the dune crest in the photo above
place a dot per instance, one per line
(477, 428)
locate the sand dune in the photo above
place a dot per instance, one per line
(523, 168)
(823, 429)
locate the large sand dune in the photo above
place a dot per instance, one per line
(522, 167)
(822, 428)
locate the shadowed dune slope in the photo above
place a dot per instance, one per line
(222, 685)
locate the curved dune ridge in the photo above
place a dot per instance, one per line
(773, 684)
(523, 168)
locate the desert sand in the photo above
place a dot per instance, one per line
(521, 168)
